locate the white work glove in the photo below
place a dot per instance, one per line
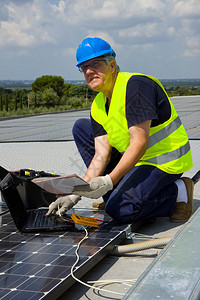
(62, 204)
(99, 186)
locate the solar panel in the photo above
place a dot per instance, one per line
(41, 127)
(3, 207)
(37, 266)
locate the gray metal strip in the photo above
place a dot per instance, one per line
(175, 273)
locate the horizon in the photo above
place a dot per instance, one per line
(32, 80)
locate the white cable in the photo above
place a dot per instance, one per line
(99, 282)
(112, 280)
(128, 282)
(72, 269)
(135, 234)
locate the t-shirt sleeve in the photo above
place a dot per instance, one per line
(97, 128)
(141, 100)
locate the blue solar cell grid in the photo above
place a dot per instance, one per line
(37, 266)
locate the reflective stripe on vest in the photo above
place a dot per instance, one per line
(164, 132)
(170, 156)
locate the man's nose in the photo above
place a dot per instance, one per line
(89, 70)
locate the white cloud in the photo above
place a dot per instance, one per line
(11, 34)
(107, 10)
(193, 50)
(69, 51)
(192, 53)
(25, 25)
(17, 53)
(171, 30)
(186, 8)
(146, 30)
(193, 42)
(60, 8)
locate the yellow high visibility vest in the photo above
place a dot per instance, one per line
(168, 146)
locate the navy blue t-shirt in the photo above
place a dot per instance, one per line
(145, 100)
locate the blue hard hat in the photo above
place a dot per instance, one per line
(91, 48)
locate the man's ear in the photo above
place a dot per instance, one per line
(113, 66)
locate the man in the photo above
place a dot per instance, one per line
(134, 146)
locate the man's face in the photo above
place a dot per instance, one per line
(97, 73)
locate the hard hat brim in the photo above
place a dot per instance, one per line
(94, 56)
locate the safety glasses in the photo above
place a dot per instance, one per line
(94, 64)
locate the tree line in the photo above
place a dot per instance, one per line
(50, 93)
(182, 91)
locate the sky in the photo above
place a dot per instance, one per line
(156, 37)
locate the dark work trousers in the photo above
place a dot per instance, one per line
(144, 192)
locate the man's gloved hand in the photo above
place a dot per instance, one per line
(99, 186)
(62, 204)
